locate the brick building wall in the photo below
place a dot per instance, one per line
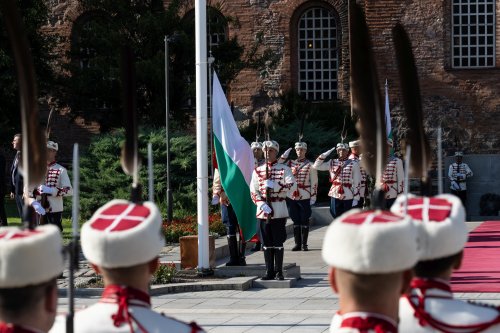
(466, 103)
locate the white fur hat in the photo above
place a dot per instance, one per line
(355, 143)
(300, 144)
(256, 145)
(29, 257)
(341, 145)
(441, 223)
(123, 234)
(52, 145)
(371, 242)
(271, 144)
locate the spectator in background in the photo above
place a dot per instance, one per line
(3, 215)
(16, 179)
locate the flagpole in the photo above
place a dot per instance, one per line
(201, 134)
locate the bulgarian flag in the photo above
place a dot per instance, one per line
(388, 126)
(234, 160)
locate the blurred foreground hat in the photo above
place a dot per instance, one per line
(271, 144)
(440, 221)
(371, 242)
(52, 145)
(123, 234)
(30, 257)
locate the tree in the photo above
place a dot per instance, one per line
(94, 87)
(35, 15)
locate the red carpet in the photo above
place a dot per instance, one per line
(480, 270)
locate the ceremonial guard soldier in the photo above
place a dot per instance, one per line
(269, 187)
(345, 177)
(299, 203)
(356, 156)
(49, 196)
(458, 174)
(229, 219)
(371, 255)
(393, 177)
(258, 156)
(429, 305)
(122, 241)
(30, 261)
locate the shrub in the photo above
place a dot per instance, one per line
(164, 274)
(188, 226)
(103, 179)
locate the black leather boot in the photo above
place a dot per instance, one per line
(243, 247)
(296, 237)
(269, 258)
(305, 235)
(278, 258)
(234, 258)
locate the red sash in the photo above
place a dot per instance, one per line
(367, 324)
(10, 328)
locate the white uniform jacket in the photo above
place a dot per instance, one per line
(458, 175)
(284, 183)
(307, 180)
(430, 307)
(130, 312)
(362, 184)
(57, 178)
(345, 177)
(393, 178)
(363, 322)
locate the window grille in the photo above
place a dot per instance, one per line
(473, 33)
(317, 55)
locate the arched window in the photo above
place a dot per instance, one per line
(473, 33)
(317, 48)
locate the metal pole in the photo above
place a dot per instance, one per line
(167, 134)
(210, 62)
(201, 134)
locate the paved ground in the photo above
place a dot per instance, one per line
(308, 307)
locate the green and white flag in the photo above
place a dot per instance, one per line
(234, 160)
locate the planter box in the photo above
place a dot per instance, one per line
(189, 251)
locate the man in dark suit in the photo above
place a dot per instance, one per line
(16, 179)
(3, 215)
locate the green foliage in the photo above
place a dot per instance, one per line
(165, 274)
(103, 179)
(35, 15)
(94, 87)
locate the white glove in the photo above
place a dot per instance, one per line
(215, 200)
(354, 202)
(266, 209)
(326, 153)
(38, 208)
(43, 189)
(269, 183)
(312, 201)
(286, 153)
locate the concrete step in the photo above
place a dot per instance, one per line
(268, 284)
(290, 270)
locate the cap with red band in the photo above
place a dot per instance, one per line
(371, 242)
(29, 257)
(123, 234)
(441, 223)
